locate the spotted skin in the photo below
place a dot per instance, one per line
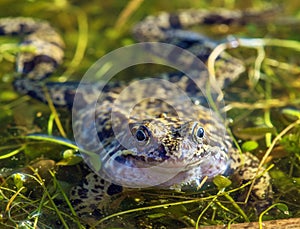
(191, 137)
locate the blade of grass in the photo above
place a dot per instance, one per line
(12, 153)
(151, 207)
(205, 209)
(13, 198)
(55, 114)
(129, 9)
(38, 178)
(267, 154)
(81, 42)
(66, 199)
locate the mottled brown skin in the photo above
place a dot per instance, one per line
(188, 137)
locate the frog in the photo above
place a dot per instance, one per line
(160, 146)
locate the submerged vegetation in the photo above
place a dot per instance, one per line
(263, 111)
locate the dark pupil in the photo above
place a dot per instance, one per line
(200, 133)
(140, 135)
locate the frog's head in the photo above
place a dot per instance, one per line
(166, 151)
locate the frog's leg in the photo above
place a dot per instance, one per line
(166, 26)
(245, 168)
(172, 28)
(41, 46)
(41, 51)
(60, 94)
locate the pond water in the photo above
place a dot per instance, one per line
(263, 112)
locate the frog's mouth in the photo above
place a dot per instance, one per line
(135, 161)
(186, 156)
(160, 157)
(137, 171)
(132, 171)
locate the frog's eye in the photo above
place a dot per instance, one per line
(200, 132)
(142, 134)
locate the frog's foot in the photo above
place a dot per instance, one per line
(93, 196)
(246, 168)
